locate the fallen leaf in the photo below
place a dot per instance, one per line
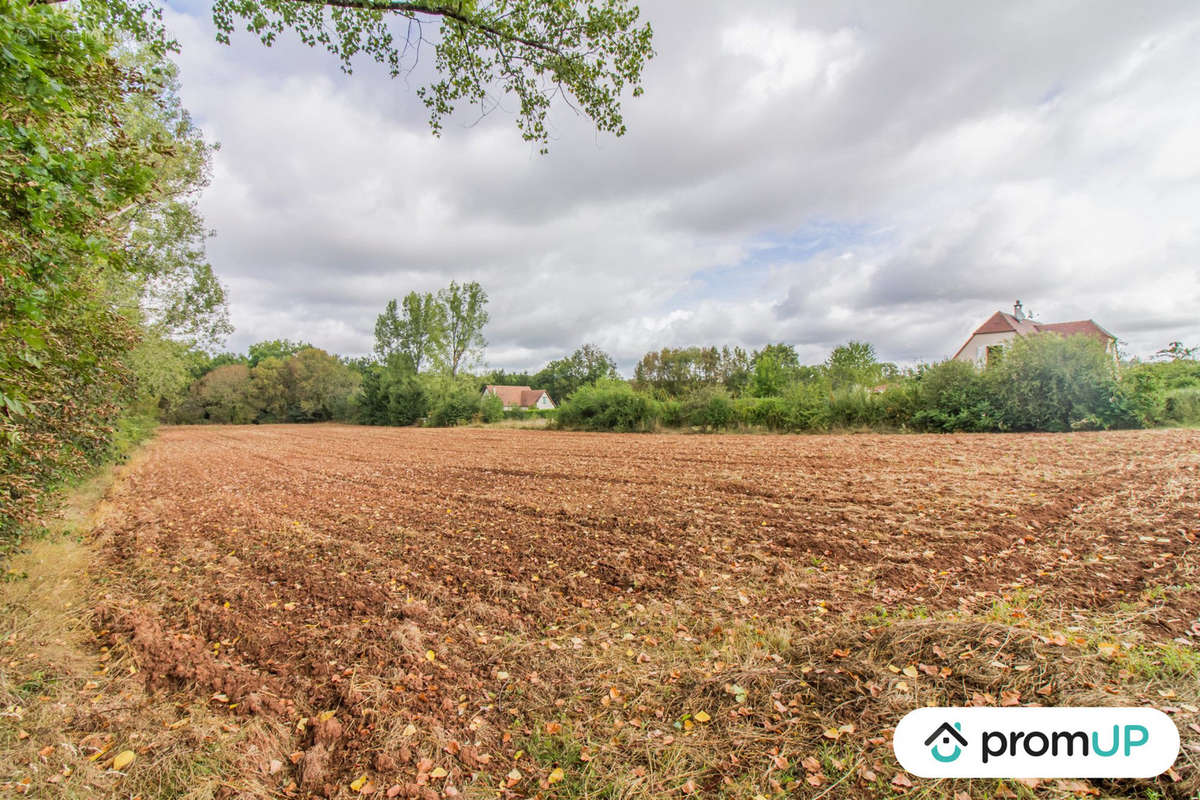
(702, 716)
(123, 759)
(556, 775)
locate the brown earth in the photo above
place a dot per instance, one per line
(415, 601)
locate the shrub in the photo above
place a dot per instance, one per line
(491, 408)
(608, 405)
(407, 401)
(1182, 406)
(1053, 383)
(671, 413)
(710, 408)
(768, 412)
(853, 407)
(952, 396)
(457, 405)
(805, 407)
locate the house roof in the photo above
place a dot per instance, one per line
(530, 397)
(1086, 327)
(510, 395)
(1001, 322)
(516, 395)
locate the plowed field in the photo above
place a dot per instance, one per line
(433, 612)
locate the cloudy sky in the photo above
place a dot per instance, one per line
(800, 172)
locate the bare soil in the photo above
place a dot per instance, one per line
(435, 612)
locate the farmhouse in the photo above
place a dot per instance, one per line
(1002, 327)
(520, 396)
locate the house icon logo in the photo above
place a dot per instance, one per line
(945, 733)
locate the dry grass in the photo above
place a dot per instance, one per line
(70, 707)
(808, 709)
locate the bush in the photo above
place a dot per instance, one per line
(952, 396)
(407, 401)
(805, 407)
(1182, 406)
(854, 407)
(710, 408)
(491, 408)
(609, 405)
(766, 411)
(1053, 383)
(457, 405)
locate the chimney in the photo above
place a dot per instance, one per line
(1018, 310)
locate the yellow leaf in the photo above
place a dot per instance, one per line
(357, 784)
(438, 772)
(410, 729)
(911, 671)
(430, 655)
(556, 775)
(123, 759)
(325, 716)
(832, 733)
(702, 716)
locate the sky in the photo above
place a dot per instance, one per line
(807, 173)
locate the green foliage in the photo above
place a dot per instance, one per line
(854, 407)
(407, 401)
(710, 408)
(1176, 351)
(101, 249)
(560, 378)
(274, 348)
(455, 403)
(587, 51)
(1054, 383)
(466, 315)
(609, 405)
(805, 407)
(445, 329)
(417, 331)
(1182, 406)
(308, 386)
(952, 396)
(854, 364)
(676, 372)
(770, 377)
(491, 408)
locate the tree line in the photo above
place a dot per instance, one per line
(1044, 382)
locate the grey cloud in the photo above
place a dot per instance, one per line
(993, 151)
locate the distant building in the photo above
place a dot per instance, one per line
(520, 396)
(1002, 327)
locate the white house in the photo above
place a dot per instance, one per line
(520, 396)
(1002, 327)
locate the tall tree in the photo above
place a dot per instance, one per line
(466, 315)
(100, 246)
(563, 376)
(415, 329)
